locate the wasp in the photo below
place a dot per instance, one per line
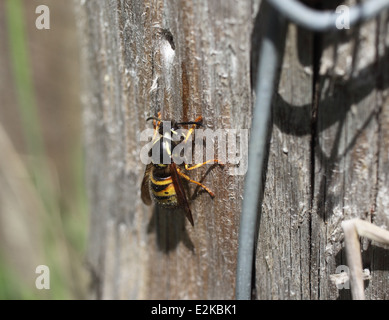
(162, 182)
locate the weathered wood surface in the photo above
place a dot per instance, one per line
(327, 160)
(283, 248)
(134, 252)
(349, 168)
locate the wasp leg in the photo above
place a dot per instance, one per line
(201, 164)
(196, 182)
(156, 125)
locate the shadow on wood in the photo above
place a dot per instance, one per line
(169, 226)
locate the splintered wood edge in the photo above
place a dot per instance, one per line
(343, 277)
(354, 259)
(353, 229)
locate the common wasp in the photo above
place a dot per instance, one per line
(162, 182)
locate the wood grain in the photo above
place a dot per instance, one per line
(135, 251)
(327, 158)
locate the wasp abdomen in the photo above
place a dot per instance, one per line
(163, 191)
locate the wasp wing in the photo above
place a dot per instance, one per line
(145, 190)
(182, 201)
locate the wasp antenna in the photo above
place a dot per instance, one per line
(190, 122)
(153, 118)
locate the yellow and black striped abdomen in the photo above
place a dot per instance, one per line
(163, 191)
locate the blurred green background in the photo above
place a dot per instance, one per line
(43, 207)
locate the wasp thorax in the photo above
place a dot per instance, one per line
(164, 143)
(161, 151)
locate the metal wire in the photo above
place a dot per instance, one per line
(268, 64)
(266, 76)
(316, 20)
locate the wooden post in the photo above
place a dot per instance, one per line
(185, 59)
(327, 160)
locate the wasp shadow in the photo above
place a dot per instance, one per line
(169, 226)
